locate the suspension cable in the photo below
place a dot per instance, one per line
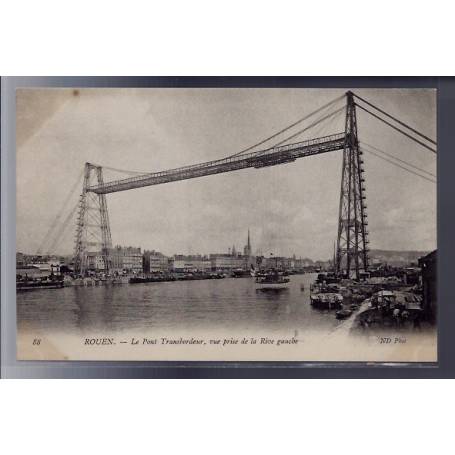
(398, 165)
(322, 129)
(396, 120)
(308, 127)
(124, 171)
(288, 127)
(396, 128)
(62, 229)
(59, 214)
(306, 117)
(265, 140)
(329, 126)
(398, 159)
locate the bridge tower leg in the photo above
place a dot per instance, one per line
(352, 240)
(93, 234)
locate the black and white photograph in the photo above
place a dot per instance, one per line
(226, 224)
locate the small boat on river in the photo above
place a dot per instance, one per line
(272, 281)
(343, 314)
(326, 300)
(326, 296)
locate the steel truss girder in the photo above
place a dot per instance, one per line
(270, 157)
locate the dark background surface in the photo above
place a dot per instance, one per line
(445, 368)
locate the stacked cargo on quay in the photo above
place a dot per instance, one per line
(401, 300)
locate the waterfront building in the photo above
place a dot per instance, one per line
(31, 272)
(220, 262)
(154, 261)
(50, 266)
(191, 263)
(282, 263)
(227, 262)
(234, 260)
(125, 259)
(278, 262)
(95, 262)
(301, 264)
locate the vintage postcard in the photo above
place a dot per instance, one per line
(226, 224)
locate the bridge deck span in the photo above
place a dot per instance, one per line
(269, 157)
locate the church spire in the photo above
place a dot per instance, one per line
(247, 249)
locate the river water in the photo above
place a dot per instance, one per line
(229, 303)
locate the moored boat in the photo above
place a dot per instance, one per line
(241, 273)
(30, 285)
(343, 314)
(326, 300)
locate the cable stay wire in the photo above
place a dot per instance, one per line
(397, 129)
(325, 127)
(298, 133)
(329, 127)
(54, 224)
(263, 141)
(59, 235)
(398, 165)
(398, 159)
(273, 136)
(123, 171)
(321, 119)
(396, 120)
(320, 130)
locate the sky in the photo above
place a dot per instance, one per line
(289, 209)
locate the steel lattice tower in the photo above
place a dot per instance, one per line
(352, 241)
(93, 233)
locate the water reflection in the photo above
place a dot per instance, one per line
(211, 304)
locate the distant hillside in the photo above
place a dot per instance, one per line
(392, 257)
